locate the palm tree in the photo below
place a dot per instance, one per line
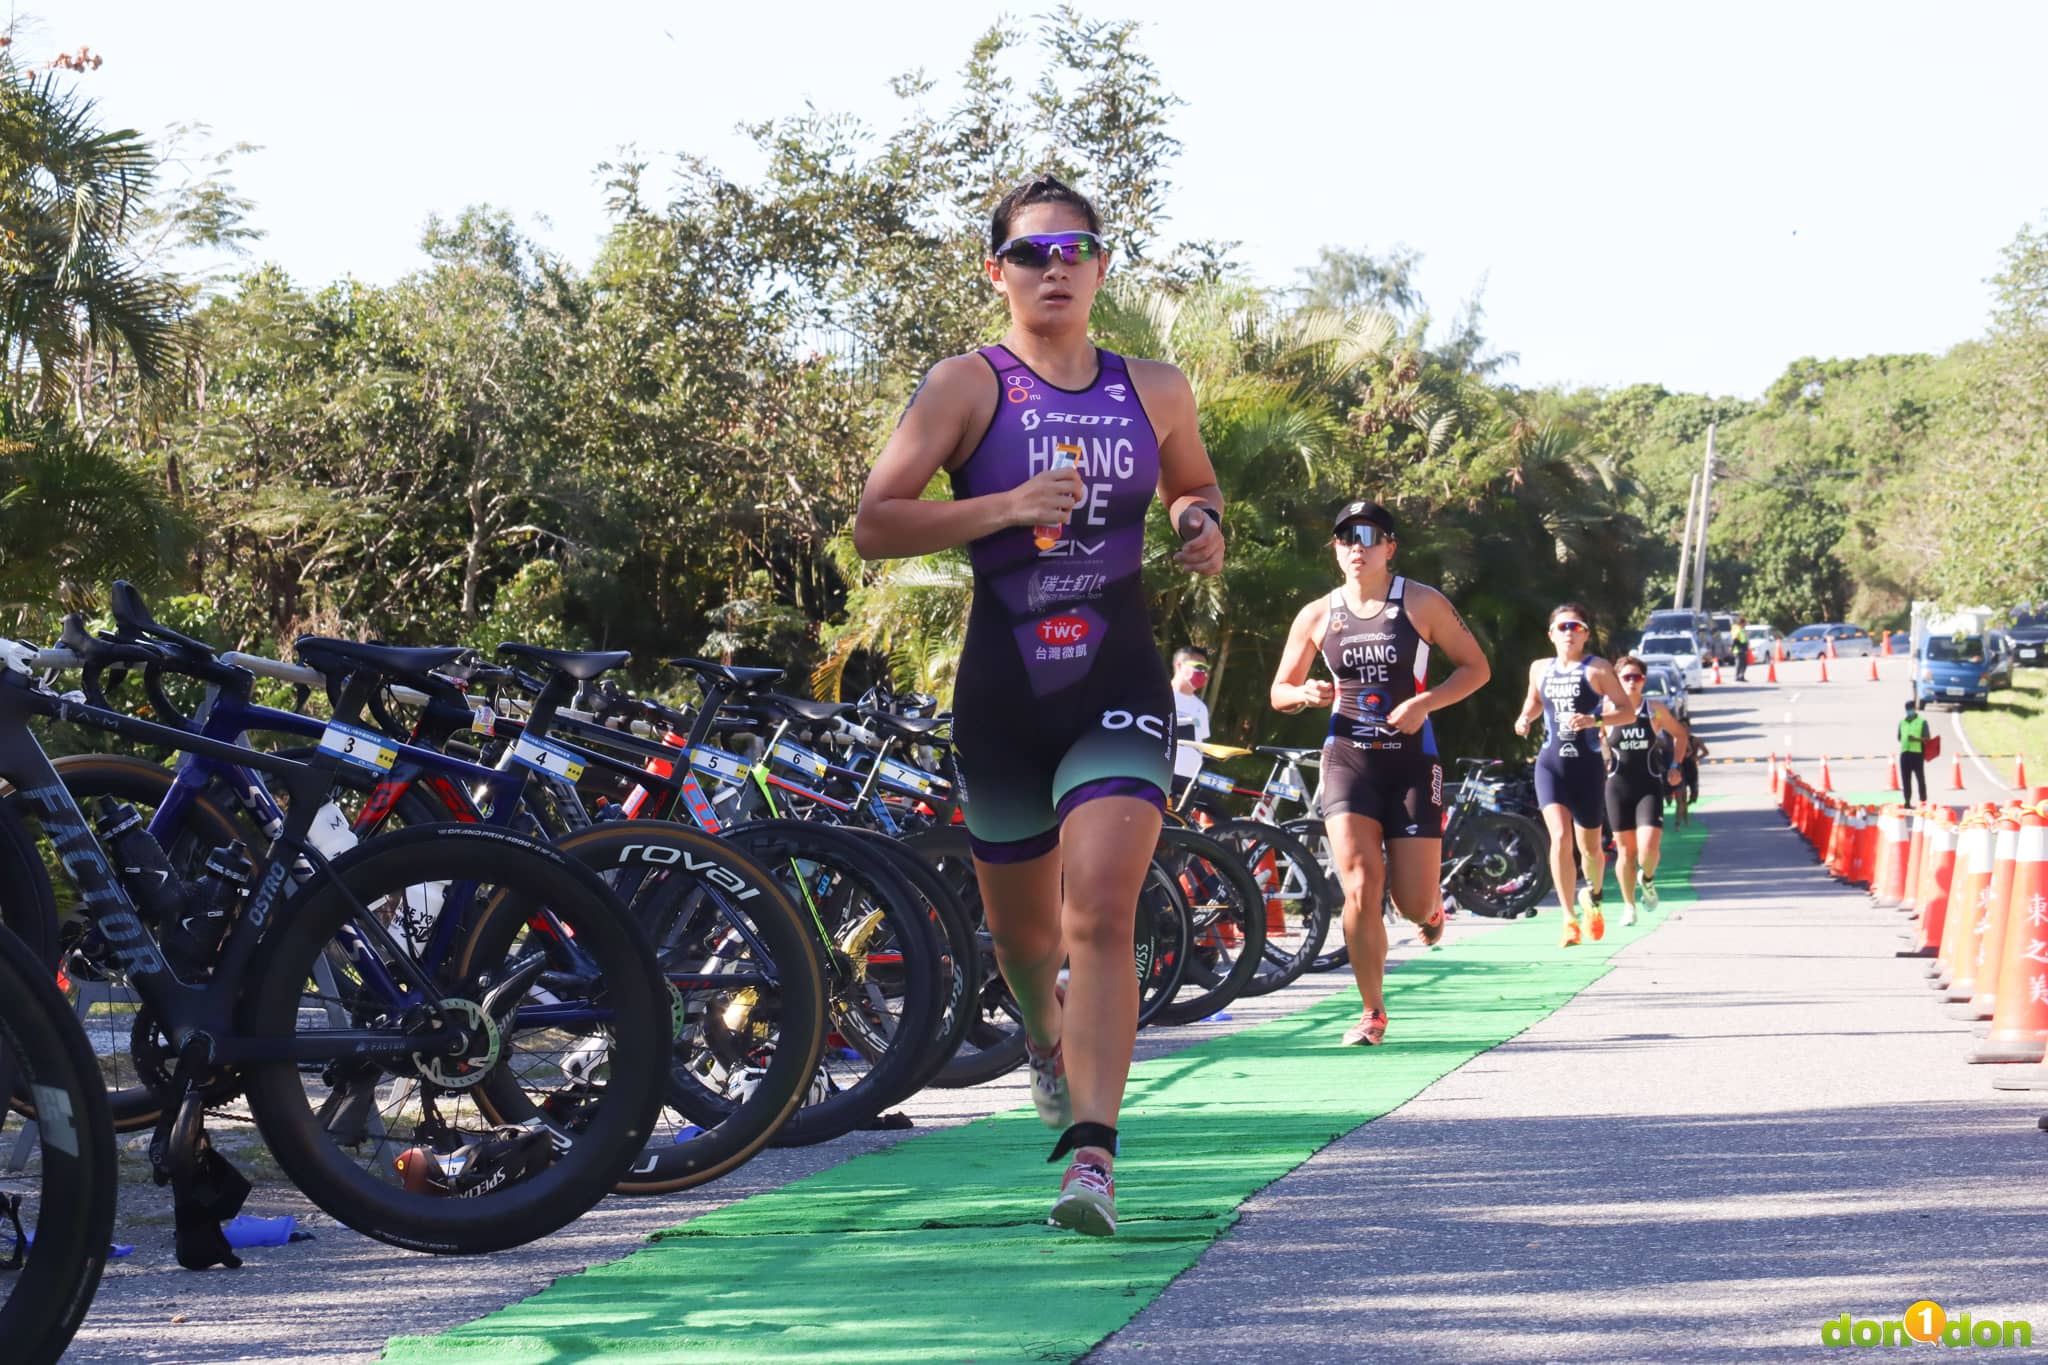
(73, 518)
(70, 287)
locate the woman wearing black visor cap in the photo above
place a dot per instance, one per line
(1383, 779)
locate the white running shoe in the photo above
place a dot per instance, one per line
(1646, 891)
(1628, 914)
(1049, 1086)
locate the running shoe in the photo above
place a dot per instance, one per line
(1628, 914)
(1049, 1085)
(1589, 912)
(1087, 1202)
(1647, 891)
(1570, 937)
(1370, 1031)
(1433, 932)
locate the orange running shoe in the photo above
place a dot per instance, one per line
(1570, 937)
(1596, 924)
(1370, 1031)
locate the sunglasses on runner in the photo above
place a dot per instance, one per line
(1362, 533)
(1036, 250)
(1569, 627)
(1632, 677)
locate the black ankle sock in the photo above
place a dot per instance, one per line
(1085, 1135)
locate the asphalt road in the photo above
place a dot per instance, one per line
(1758, 1121)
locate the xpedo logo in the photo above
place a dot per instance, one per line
(1062, 630)
(1926, 1323)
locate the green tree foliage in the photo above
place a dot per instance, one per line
(662, 448)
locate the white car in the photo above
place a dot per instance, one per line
(1679, 653)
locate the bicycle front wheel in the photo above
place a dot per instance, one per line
(63, 1193)
(1299, 898)
(538, 1109)
(1228, 922)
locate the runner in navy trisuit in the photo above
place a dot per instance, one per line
(1063, 718)
(1571, 776)
(1383, 778)
(1641, 757)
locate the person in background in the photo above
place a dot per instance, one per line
(1741, 650)
(1191, 713)
(1913, 752)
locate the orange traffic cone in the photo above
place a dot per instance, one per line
(1830, 653)
(1717, 672)
(2019, 771)
(1974, 852)
(1892, 777)
(1937, 876)
(1826, 782)
(1873, 668)
(1955, 773)
(1989, 948)
(1823, 668)
(1771, 672)
(2019, 1017)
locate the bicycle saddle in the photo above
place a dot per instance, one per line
(903, 727)
(1208, 750)
(802, 708)
(746, 678)
(582, 665)
(336, 657)
(1295, 755)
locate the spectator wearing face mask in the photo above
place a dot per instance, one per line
(1191, 713)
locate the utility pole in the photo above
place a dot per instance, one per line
(1699, 575)
(1692, 495)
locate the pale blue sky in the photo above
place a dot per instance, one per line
(1686, 194)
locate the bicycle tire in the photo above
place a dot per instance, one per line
(1519, 843)
(704, 900)
(1231, 905)
(959, 966)
(994, 1045)
(69, 1201)
(592, 1151)
(1308, 829)
(860, 884)
(1298, 894)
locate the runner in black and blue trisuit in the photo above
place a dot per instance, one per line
(1063, 719)
(1640, 758)
(1571, 778)
(1383, 778)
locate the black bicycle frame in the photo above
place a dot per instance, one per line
(198, 1011)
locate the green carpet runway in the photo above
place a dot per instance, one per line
(936, 1249)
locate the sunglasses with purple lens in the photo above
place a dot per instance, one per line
(1035, 251)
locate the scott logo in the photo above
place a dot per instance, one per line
(1062, 630)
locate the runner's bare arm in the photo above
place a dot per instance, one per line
(1439, 624)
(952, 406)
(1532, 705)
(1187, 479)
(1292, 687)
(1601, 674)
